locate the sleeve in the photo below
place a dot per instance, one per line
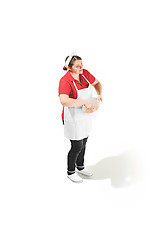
(89, 76)
(64, 87)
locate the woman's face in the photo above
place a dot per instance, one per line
(77, 67)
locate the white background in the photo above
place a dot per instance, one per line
(119, 44)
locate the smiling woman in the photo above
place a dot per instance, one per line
(75, 91)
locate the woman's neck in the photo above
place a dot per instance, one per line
(75, 76)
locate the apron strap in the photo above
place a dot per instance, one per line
(86, 79)
(75, 86)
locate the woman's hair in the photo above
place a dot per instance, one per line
(73, 59)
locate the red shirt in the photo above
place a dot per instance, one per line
(67, 87)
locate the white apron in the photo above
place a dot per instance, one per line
(77, 124)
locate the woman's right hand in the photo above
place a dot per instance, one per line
(87, 104)
(91, 107)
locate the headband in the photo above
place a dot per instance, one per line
(69, 59)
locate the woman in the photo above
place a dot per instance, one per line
(75, 89)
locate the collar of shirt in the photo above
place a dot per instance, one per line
(70, 77)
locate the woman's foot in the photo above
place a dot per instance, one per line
(75, 178)
(85, 172)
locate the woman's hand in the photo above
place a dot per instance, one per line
(99, 97)
(94, 106)
(87, 104)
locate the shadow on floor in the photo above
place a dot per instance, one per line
(122, 170)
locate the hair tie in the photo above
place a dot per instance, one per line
(69, 59)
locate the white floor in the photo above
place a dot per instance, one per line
(38, 201)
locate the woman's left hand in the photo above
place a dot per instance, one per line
(99, 97)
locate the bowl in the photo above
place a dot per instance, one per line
(95, 103)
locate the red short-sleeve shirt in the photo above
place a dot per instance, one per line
(67, 87)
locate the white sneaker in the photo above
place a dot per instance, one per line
(75, 178)
(85, 172)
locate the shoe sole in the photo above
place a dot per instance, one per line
(85, 174)
(76, 181)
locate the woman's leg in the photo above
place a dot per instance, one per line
(76, 148)
(80, 158)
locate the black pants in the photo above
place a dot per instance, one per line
(76, 154)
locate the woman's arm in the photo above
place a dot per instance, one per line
(98, 87)
(70, 102)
